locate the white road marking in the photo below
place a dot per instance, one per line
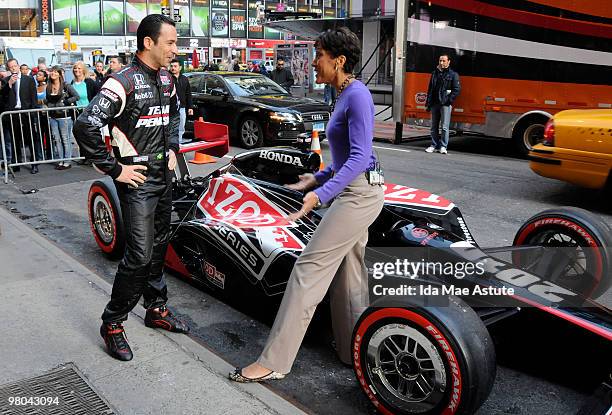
(393, 149)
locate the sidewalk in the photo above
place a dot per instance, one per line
(51, 306)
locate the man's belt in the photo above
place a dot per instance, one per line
(145, 158)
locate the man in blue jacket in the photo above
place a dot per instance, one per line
(444, 87)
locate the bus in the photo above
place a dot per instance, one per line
(519, 61)
(27, 50)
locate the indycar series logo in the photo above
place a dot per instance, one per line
(157, 116)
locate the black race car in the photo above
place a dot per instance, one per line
(413, 354)
(256, 109)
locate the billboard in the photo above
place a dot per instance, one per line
(64, 15)
(135, 11)
(219, 23)
(45, 17)
(89, 17)
(254, 28)
(200, 14)
(113, 17)
(238, 23)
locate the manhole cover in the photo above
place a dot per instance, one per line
(61, 391)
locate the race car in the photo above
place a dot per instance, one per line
(412, 354)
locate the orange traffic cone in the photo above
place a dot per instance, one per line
(202, 158)
(315, 147)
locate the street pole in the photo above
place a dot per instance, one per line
(399, 67)
(171, 7)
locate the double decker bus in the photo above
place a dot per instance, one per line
(520, 61)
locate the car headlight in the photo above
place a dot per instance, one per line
(285, 117)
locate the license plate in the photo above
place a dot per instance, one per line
(318, 126)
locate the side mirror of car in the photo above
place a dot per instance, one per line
(218, 92)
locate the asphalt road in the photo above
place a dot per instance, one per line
(540, 371)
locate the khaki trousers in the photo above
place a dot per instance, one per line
(333, 257)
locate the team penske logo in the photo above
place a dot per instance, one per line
(157, 116)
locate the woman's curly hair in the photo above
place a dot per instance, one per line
(338, 42)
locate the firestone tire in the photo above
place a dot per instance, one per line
(105, 218)
(424, 361)
(571, 227)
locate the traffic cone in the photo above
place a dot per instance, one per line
(202, 158)
(315, 147)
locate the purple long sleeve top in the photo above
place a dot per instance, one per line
(349, 133)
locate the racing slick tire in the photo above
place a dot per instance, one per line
(425, 361)
(105, 218)
(572, 227)
(250, 133)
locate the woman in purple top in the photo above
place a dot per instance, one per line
(334, 257)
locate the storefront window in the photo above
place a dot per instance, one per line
(329, 8)
(113, 17)
(64, 15)
(200, 14)
(89, 21)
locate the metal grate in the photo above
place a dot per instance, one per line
(74, 395)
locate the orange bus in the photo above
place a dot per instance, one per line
(520, 61)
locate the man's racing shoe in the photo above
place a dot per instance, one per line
(116, 341)
(162, 318)
(237, 376)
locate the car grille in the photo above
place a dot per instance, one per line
(288, 135)
(315, 116)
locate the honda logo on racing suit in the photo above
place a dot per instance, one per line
(104, 103)
(139, 81)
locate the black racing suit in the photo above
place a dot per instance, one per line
(140, 106)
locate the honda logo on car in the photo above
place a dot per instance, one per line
(283, 158)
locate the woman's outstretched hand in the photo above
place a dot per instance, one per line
(307, 182)
(311, 200)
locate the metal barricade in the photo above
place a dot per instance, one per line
(31, 129)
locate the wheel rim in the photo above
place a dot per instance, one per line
(406, 365)
(249, 132)
(534, 134)
(559, 239)
(103, 219)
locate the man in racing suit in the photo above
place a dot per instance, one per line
(140, 106)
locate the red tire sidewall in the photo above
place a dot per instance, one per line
(445, 348)
(93, 192)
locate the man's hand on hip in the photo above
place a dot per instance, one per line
(171, 160)
(131, 176)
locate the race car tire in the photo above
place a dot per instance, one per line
(571, 227)
(445, 360)
(105, 218)
(250, 133)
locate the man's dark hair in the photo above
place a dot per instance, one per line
(23, 64)
(150, 26)
(339, 42)
(175, 61)
(447, 56)
(11, 60)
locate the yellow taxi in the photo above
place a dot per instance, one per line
(577, 148)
